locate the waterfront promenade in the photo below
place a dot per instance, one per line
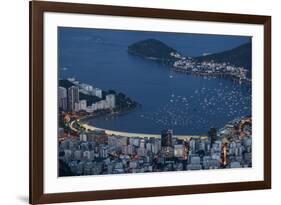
(130, 134)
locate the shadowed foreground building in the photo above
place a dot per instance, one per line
(166, 143)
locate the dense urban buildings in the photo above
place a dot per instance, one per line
(62, 97)
(69, 100)
(210, 68)
(73, 97)
(95, 152)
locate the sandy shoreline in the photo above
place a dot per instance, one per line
(139, 135)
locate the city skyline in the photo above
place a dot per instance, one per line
(137, 102)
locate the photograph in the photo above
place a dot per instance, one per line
(133, 101)
(129, 102)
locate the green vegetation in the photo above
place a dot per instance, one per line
(153, 49)
(239, 56)
(122, 101)
(65, 83)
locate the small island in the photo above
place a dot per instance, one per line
(233, 64)
(153, 49)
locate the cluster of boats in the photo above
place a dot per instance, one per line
(203, 108)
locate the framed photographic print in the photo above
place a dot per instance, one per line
(139, 102)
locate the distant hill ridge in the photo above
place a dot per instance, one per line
(239, 56)
(157, 50)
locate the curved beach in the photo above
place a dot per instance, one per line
(130, 134)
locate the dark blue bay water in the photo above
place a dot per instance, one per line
(184, 103)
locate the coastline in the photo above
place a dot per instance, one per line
(219, 75)
(176, 69)
(83, 123)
